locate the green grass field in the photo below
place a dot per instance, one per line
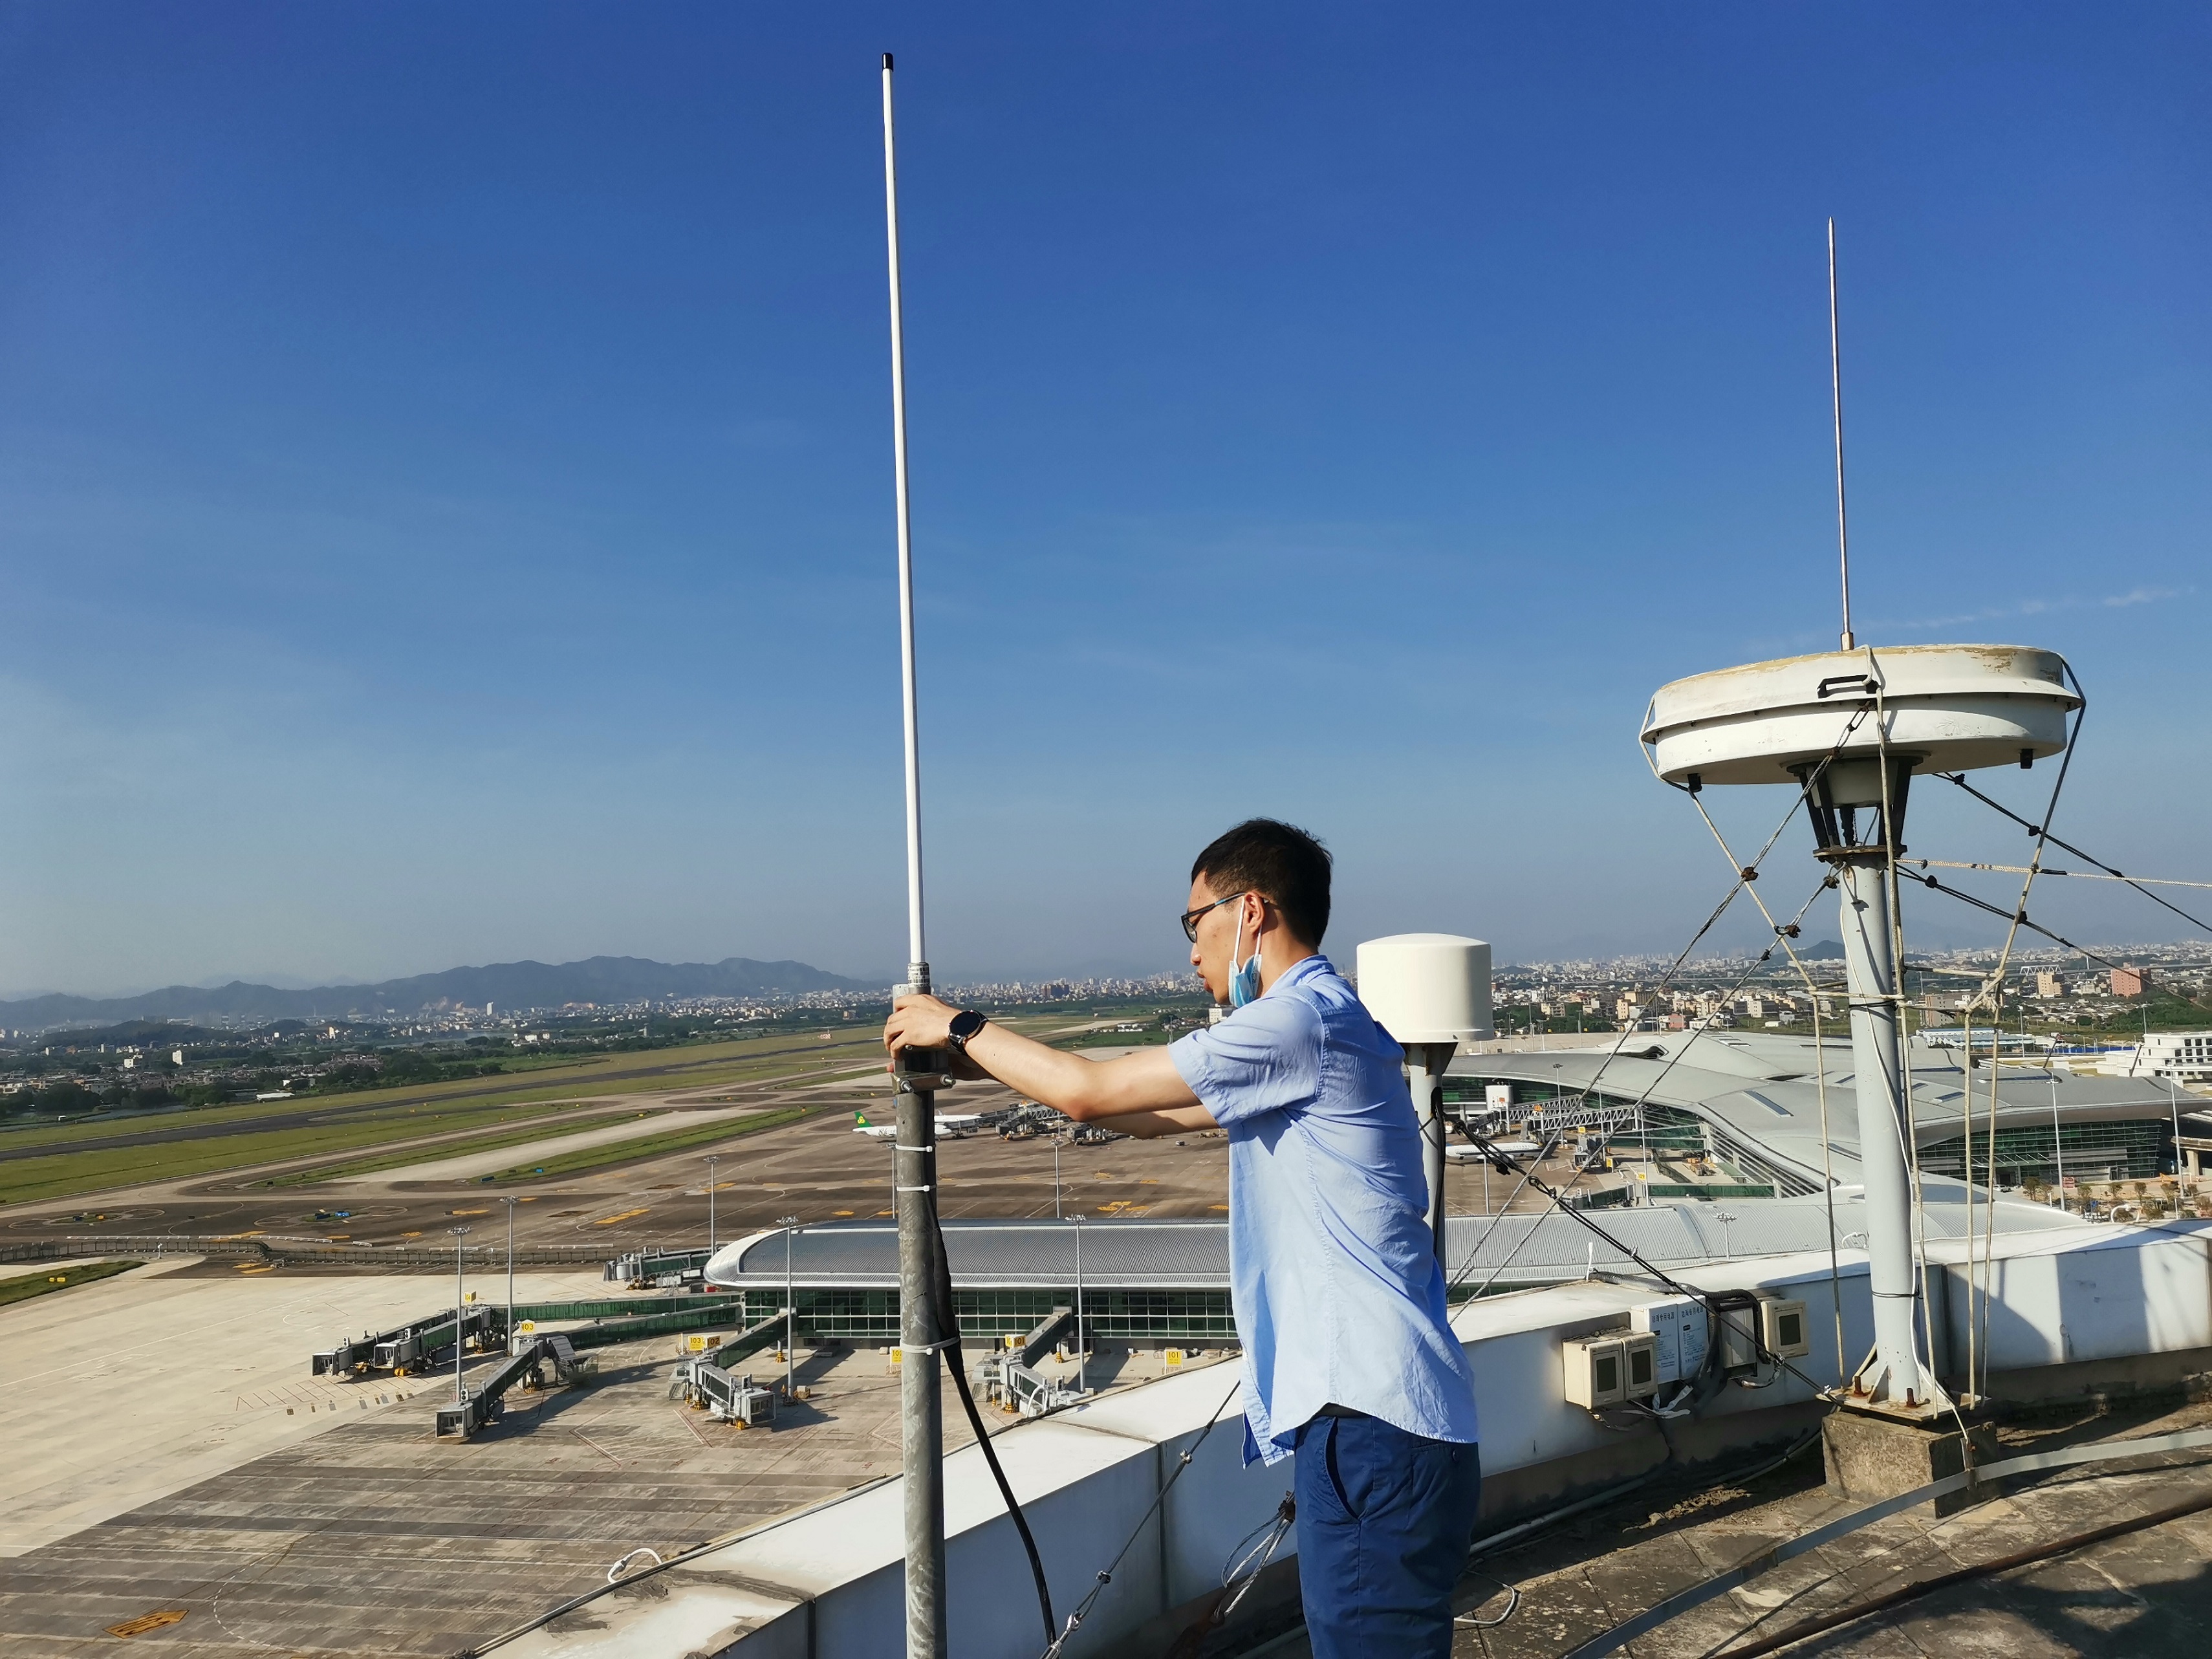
(680, 1067)
(622, 1151)
(361, 1123)
(24, 1286)
(401, 1157)
(61, 1176)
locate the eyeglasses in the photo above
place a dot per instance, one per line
(1189, 918)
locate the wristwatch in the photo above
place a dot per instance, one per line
(965, 1025)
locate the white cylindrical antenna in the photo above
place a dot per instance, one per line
(1836, 382)
(922, 1428)
(917, 952)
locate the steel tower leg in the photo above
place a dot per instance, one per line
(921, 1436)
(1896, 1374)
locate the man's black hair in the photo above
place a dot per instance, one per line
(1280, 862)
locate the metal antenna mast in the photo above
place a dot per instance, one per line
(919, 1073)
(917, 952)
(1836, 380)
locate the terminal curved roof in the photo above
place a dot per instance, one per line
(1140, 1255)
(1766, 1088)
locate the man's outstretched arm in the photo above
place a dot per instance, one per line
(1138, 1095)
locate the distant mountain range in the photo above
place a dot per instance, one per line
(509, 987)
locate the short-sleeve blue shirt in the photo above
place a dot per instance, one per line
(1339, 1299)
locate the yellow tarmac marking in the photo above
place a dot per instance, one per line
(468, 1212)
(146, 1621)
(609, 1220)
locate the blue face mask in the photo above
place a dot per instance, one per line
(1243, 982)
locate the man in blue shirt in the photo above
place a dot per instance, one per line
(1349, 1360)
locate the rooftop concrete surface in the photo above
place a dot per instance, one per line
(2144, 1593)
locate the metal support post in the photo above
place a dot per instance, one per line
(711, 1161)
(921, 1430)
(509, 1332)
(2057, 1146)
(1895, 1375)
(789, 1223)
(1082, 1370)
(1425, 1064)
(460, 1301)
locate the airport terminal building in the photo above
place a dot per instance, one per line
(1718, 1153)
(1750, 1106)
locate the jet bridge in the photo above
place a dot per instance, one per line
(705, 1380)
(411, 1345)
(1011, 1379)
(564, 1350)
(659, 1269)
(407, 1347)
(488, 1404)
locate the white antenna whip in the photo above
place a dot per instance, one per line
(917, 952)
(920, 1073)
(1836, 371)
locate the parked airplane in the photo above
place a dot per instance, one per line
(951, 1126)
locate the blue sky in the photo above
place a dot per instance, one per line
(444, 504)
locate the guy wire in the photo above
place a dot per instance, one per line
(1666, 1280)
(2047, 872)
(1745, 875)
(1575, 1180)
(1106, 1576)
(1819, 1084)
(1978, 1313)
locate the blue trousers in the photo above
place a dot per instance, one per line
(1384, 1517)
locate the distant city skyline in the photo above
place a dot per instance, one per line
(444, 479)
(2032, 961)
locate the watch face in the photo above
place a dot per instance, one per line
(967, 1023)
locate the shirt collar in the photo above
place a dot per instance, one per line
(1305, 967)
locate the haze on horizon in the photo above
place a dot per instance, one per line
(445, 500)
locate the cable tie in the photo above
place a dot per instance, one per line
(897, 1148)
(913, 1190)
